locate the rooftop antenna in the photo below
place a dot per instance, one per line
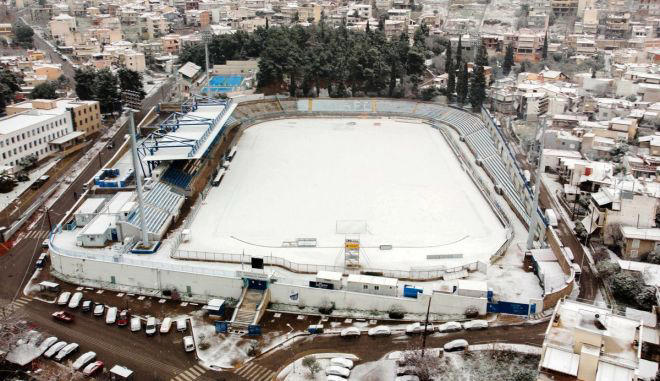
(533, 215)
(132, 100)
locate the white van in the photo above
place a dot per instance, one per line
(74, 302)
(64, 298)
(182, 324)
(166, 325)
(111, 315)
(188, 344)
(150, 329)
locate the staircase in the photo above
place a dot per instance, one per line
(248, 308)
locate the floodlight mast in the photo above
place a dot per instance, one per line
(533, 215)
(131, 97)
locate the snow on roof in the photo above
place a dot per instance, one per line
(611, 372)
(601, 198)
(67, 138)
(189, 69)
(645, 234)
(23, 354)
(561, 360)
(370, 279)
(117, 201)
(329, 275)
(561, 153)
(648, 319)
(91, 205)
(99, 225)
(475, 285)
(121, 371)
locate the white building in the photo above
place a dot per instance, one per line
(28, 133)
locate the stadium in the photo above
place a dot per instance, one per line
(284, 197)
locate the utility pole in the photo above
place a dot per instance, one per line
(50, 225)
(533, 215)
(426, 323)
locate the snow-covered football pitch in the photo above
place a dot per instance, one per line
(385, 181)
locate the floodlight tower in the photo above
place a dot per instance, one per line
(533, 215)
(132, 100)
(206, 37)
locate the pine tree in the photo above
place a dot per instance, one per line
(462, 84)
(451, 73)
(477, 87)
(544, 52)
(482, 56)
(459, 53)
(508, 60)
(367, 29)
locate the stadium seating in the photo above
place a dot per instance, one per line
(393, 106)
(176, 176)
(154, 218)
(162, 197)
(495, 167)
(481, 143)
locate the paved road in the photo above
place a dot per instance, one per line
(41, 44)
(588, 280)
(370, 349)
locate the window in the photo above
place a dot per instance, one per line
(635, 244)
(365, 286)
(376, 288)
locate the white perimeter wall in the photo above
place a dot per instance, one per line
(203, 287)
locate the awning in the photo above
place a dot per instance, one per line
(561, 360)
(67, 138)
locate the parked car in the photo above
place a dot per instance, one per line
(74, 302)
(62, 316)
(42, 260)
(332, 377)
(188, 344)
(456, 345)
(450, 326)
(124, 317)
(407, 377)
(99, 308)
(342, 361)
(418, 328)
(66, 351)
(165, 325)
(337, 371)
(150, 328)
(474, 325)
(350, 332)
(55, 348)
(381, 330)
(44, 243)
(64, 298)
(47, 343)
(83, 360)
(93, 368)
(136, 324)
(86, 305)
(181, 325)
(111, 315)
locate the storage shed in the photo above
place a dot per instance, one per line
(473, 288)
(369, 284)
(327, 279)
(88, 210)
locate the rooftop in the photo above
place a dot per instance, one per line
(16, 122)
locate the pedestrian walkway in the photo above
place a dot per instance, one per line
(255, 372)
(18, 303)
(192, 373)
(36, 234)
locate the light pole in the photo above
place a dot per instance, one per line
(537, 190)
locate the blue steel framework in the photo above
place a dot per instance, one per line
(160, 139)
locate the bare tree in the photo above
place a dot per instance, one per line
(425, 367)
(12, 328)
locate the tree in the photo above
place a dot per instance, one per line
(625, 286)
(23, 35)
(451, 72)
(459, 54)
(607, 268)
(84, 79)
(478, 80)
(645, 299)
(106, 90)
(46, 90)
(508, 60)
(462, 84)
(544, 51)
(311, 364)
(9, 85)
(130, 80)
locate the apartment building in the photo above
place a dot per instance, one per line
(134, 61)
(589, 343)
(63, 28)
(84, 116)
(171, 43)
(528, 46)
(617, 25)
(28, 134)
(563, 8)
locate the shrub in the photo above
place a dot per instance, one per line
(327, 308)
(471, 312)
(524, 375)
(396, 312)
(311, 364)
(646, 298)
(204, 345)
(607, 268)
(625, 286)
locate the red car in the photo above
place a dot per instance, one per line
(93, 368)
(124, 317)
(62, 316)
